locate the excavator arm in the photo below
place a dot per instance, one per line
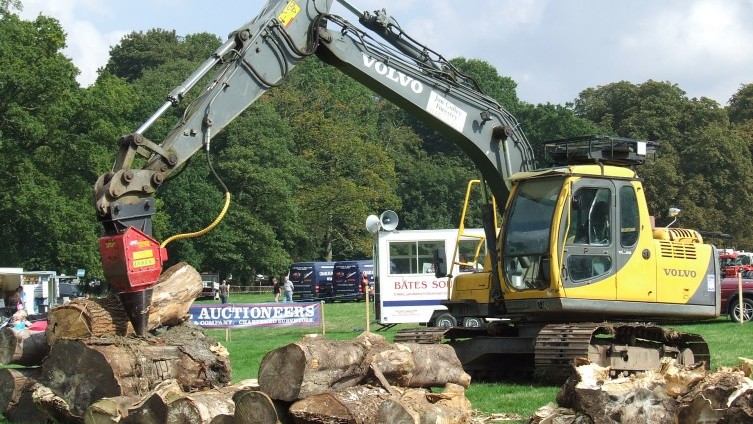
(257, 57)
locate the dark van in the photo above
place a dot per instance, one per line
(346, 283)
(312, 281)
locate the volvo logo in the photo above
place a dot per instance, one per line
(393, 74)
(672, 272)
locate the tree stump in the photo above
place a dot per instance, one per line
(84, 371)
(315, 365)
(172, 295)
(16, 389)
(631, 400)
(713, 398)
(24, 347)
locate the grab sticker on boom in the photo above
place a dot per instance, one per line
(393, 74)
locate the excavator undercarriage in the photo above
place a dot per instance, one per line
(546, 353)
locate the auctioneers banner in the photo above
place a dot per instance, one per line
(257, 315)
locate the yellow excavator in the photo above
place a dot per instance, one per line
(578, 262)
(577, 244)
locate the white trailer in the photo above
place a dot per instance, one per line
(407, 289)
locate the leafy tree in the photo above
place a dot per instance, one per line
(740, 107)
(44, 199)
(346, 176)
(701, 158)
(139, 51)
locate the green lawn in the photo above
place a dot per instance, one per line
(727, 341)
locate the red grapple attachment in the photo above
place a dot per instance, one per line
(132, 263)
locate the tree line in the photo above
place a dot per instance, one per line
(309, 161)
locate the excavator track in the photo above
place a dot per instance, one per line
(624, 347)
(551, 349)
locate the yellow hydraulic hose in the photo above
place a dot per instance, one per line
(205, 230)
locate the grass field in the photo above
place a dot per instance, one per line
(727, 341)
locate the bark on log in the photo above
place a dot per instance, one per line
(315, 365)
(84, 371)
(255, 407)
(24, 347)
(351, 405)
(16, 389)
(151, 408)
(172, 295)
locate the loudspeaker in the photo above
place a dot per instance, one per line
(372, 224)
(389, 220)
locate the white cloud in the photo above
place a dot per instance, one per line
(552, 49)
(705, 47)
(87, 45)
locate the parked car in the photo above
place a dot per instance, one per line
(730, 297)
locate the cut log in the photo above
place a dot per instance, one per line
(24, 347)
(315, 365)
(417, 406)
(206, 407)
(84, 371)
(109, 410)
(351, 405)
(421, 365)
(255, 407)
(53, 406)
(16, 389)
(172, 295)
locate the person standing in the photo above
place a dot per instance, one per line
(276, 289)
(368, 288)
(288, 287)
(21, 303)
(224, 291)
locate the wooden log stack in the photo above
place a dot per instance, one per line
(672, 394)
(90, 368)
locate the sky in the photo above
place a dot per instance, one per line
(552, 49)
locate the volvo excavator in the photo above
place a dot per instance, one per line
(577, 247)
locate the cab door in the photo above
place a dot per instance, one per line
(588, 266)
(636, 280)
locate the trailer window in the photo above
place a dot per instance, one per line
(413, 257)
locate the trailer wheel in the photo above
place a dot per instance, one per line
(473, 322)
(445, 320)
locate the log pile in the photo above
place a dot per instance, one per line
(365, 380)
(672, 394)
(88, 367)
(88, 353)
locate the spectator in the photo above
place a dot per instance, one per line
(19, 321)
(288, 287)
(224, 291)
(276, 289)
(21, 299)
(368, 286)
